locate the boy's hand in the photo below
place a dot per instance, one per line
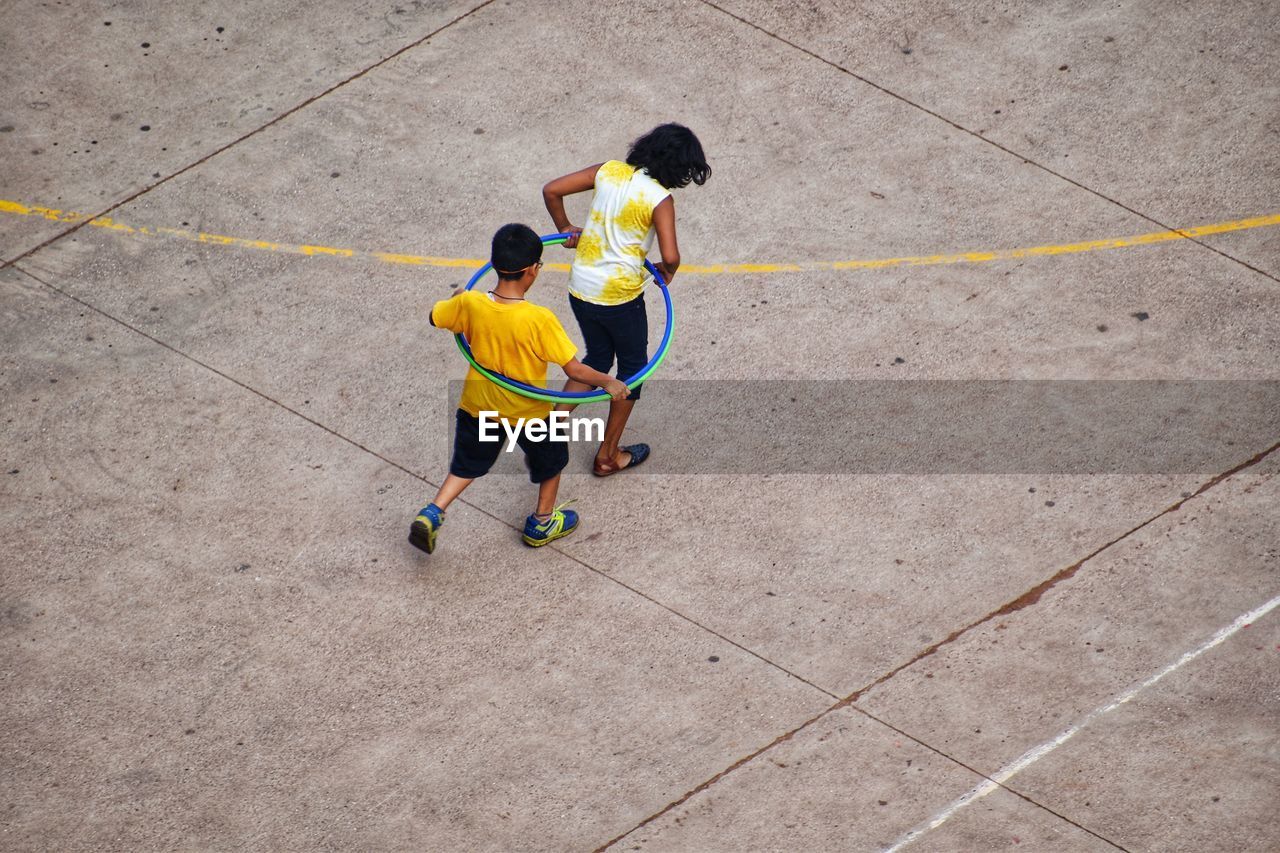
(574, 233)
(579, 372)
(617, 389)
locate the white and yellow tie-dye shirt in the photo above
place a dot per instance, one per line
(609, 266)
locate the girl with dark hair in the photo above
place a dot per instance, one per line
(632, 204)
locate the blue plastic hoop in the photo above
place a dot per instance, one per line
(551, 395)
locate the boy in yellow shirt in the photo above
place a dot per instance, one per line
(516, 338)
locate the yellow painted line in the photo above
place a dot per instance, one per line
(107, 223)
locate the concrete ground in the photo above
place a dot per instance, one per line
(222, 406)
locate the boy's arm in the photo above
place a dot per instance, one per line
(553, 197)
(579, 372)
(448, 309)
(664, 223)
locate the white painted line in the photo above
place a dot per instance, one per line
(1033, 755)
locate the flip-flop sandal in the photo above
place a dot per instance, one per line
(639, 453)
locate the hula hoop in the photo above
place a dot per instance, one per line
(552, 396)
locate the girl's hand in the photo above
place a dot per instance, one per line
(574, 233)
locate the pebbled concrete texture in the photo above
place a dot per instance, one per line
(868, 567)
(1017, 681)
(803, 778)
(184, 678)
(1158, 774)
(1170, 111)
(105, 102)
(1043, 673)
(210, 503)
(1002, 821)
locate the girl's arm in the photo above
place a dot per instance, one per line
(553, 197)
(664, 222)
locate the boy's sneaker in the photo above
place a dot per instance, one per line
(561, 523)
(422, 533)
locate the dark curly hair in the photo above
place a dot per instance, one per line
(516, 247)
(672, 156)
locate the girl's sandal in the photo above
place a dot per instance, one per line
(639, 453)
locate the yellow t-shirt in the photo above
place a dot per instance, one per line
(515, 339)
(609, 266)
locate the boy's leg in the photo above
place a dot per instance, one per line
(546, 459)
(547, 491)
(450, 489)
(472, 458)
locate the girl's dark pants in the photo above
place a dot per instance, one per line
(614, 331)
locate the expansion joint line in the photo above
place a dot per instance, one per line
(284, 115)
(952, 123)
(1026, 599)
(419, 477)
(990, 782)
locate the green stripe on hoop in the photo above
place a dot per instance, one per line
(502, 383)
(506, 385)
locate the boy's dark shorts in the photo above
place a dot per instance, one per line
(610, 331)
(473, 458)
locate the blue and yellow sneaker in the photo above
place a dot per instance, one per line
(422, 533)
(561, 523)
